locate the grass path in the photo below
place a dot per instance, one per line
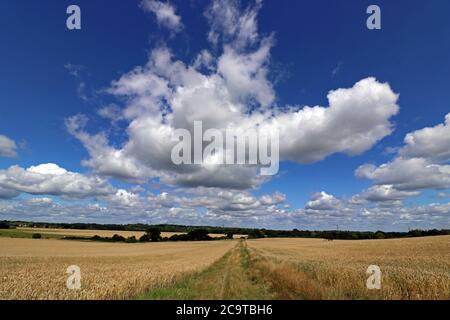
(230, 278)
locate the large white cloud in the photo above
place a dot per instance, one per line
(355, 120)
(408, 174)
(228, 90)
(8, 147)
(419, 165)
(50, 179)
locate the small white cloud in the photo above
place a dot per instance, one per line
(385, 193)
(323, 201)
(165, 14)
(430, 143)
(111, 112)
(8, 147)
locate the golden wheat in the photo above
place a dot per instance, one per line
(413, 268)
(36, 269)
(105, 233)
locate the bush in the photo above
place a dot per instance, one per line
(117, 238)
(144, 238)
(37, 236)
(131, 239)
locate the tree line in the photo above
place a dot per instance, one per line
(192, 233)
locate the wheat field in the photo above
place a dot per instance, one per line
(104, 233)
(91, 233)
(412, 268)
(36, 269)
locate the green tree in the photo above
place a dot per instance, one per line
(117, 238)
(198, 235)
(256, 233)
(380, 235)
(154, 234)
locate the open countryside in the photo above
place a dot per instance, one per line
(284, 268)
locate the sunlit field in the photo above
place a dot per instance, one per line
(288, 268)
(36, 269)
(101, 233)
(412, 268)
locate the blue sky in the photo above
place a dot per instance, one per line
(51, 74)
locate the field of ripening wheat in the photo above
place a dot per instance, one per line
(411, 268)
(36, 269)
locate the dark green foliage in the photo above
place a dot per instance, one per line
(144, 238)
(4, 225)
(154, 234)
(37, 236)
(256, 234)
(117, 238)
(194, 235)
(131, 239)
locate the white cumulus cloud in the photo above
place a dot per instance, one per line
(50, 179)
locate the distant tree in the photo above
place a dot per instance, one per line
(198, 235)
(154, 234)
(37, 236)
(117, 238)
(415, 233)
(379, 235)
(256, 233)
(229, 235)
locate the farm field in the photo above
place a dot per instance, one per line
(412, 268)
(90, 233)
(101, 233)
(36, 269)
